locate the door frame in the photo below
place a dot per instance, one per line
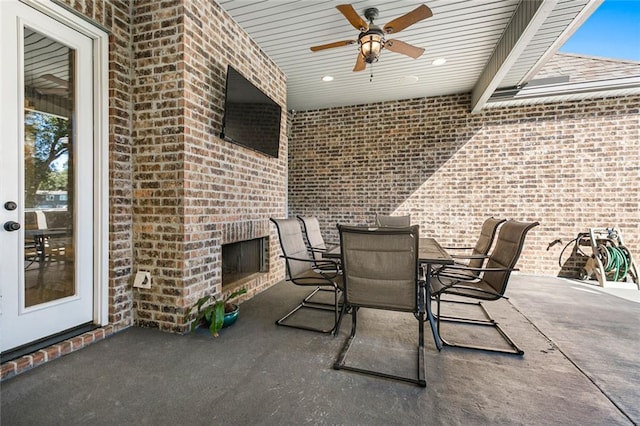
(100, 39)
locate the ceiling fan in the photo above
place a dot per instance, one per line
(372, 37)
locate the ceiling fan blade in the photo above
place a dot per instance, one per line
(360, 64)
(416, 15)
(57, 80)
(352, 16)
(332, 45)
(404, 48)
(55, 91)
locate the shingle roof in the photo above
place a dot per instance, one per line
(581, 68)
(569, 76)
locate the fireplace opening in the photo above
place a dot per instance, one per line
(242, 259)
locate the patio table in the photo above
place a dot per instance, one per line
(39, 240)
(430, 253)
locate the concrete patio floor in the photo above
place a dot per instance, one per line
(581, 366)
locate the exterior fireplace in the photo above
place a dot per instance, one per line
(241, 260)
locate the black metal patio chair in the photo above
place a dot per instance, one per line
(303, 270)
(380, 270)
(489, 283)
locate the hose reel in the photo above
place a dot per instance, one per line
(611, 261)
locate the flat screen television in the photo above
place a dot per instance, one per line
(251, 118)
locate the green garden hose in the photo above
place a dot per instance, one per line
(615, 260)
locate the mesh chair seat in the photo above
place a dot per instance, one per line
(477, 289)
(312, 277)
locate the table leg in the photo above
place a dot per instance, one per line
(434, 328)
(40, 244)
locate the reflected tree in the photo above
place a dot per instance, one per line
(46, 140)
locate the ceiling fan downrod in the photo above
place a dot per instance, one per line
(371, 14)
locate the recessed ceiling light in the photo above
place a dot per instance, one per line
(409, 79)
(327, 78)
(439, 61)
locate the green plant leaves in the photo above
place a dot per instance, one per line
(235, 294)
(213, 314)
(218, 318)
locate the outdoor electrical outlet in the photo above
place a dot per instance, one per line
(142, 280)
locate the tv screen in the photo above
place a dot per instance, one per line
(251, 118)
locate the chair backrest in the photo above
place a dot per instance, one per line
(380, 267)
(487, 234)
(393, 221)
(314, 239)
(293, 245)
(506, 252)
(35, 219)
(57, 218)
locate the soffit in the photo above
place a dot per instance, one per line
(464, 32)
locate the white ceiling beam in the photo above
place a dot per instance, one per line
(582, 17)
(524, 24)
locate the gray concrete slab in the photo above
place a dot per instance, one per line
(597, 329)
(258, 373)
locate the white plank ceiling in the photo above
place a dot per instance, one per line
(464, 32)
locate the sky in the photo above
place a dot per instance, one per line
(612, 31)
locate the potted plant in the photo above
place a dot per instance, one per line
(217, 314)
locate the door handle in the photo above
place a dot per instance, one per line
(11, 226)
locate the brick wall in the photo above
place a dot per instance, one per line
(193, 191)
(177, 191)
(571, 166)
(116, 17)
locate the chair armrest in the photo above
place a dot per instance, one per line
(299, 259)
(469, 268)
(470, 256)
(456, 276)
(325, 262)
(329, 247)
(476, 289)
(329, 268)
(456, 272)
(457, 248)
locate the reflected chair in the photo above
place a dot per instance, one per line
(301, 270)
(488, 283)
(380, 271)
(393, 221)
(479, 253)
(313, 237)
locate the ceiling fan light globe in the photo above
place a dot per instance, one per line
(371, 43)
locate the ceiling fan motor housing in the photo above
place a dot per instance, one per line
(371, 14)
